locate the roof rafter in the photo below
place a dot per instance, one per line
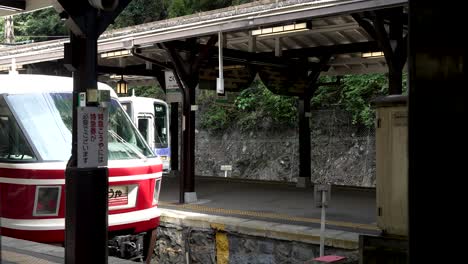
(332, 49)
(13, 5)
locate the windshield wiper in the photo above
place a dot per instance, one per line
(133, 148)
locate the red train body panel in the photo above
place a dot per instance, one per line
(18, 199)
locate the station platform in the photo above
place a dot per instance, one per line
(17, 251)
(273, 210)
(350, 209)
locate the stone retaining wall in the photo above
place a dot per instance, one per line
(215, 239)
(175, 243)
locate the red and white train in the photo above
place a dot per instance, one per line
(35, 145)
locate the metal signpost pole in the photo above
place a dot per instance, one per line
(220, 79)
(226, 168)
(321, 199)
(322, 225)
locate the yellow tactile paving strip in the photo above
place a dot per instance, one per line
(205, 209)
(18, 258)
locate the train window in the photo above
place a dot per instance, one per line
(47, 201)
(127, 106)
(157, 187)
(47, 120)
(124, 141)
(13, 145)
(143, 127)
(160, 125)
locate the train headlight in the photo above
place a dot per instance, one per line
(157, 187)
(47, 200)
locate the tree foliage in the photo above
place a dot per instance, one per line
(216, 117)
(253, 108)
(44, 24)
(257, 106)
(187, 7)
(259, 102)
(153, 91)
(142, 11)
(354, 95)
(2, 28)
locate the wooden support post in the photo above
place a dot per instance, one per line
(148, 245)
(438, 108)
(393, 43)
(278, 47)
(304, 142)
(252, 43)
(174, 136)
(86, 189)
(186, 74)
(305, 173)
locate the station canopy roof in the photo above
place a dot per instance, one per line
(288, 29)
(12, 7)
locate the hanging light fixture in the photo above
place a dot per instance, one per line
(116, 54)
(283, 29)
(122, 87)
(372, 54)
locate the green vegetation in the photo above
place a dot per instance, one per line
(187, 7)
(353, 94)
(251, 105)
(2, 28)
(44, 24)
(258, 103)
(215, 114)
(141, 11)
(216, 117)
(144, 11)
(154, 91)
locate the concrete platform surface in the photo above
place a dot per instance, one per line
(17, 251)
(350, 209)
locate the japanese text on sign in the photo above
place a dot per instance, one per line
(92, 137)
(171, 82)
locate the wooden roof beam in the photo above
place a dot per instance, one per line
(13, 5)
(332, 49)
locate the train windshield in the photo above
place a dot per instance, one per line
(160, 123)
(46, 119)
(13, 144)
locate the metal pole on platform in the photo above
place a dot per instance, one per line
(220, 79)
(321, 200)
(322, 226)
